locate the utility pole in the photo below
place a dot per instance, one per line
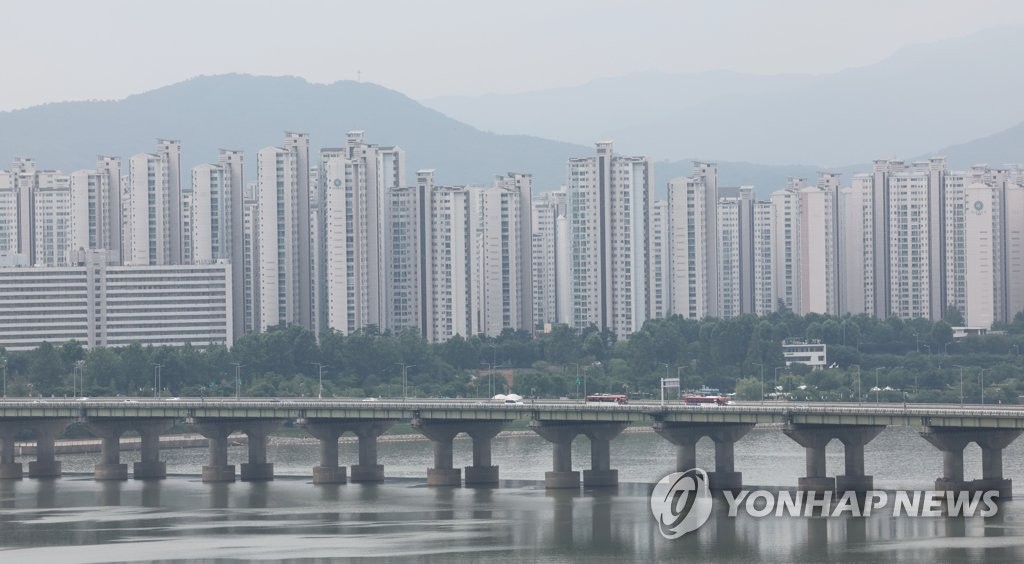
(981, 375)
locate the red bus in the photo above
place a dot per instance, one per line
(705, 400)
(608, 398)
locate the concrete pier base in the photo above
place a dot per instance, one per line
(562, 480)
(1002, 485)
(859, 484)
(725, 480)
(362, 473)
(816, 484)
(725, 435)
(815, 438)
(600, 478)
(220, 473)
(481, 475)
(149, 470)
(952, 441)
(11, 471)
(218, 470)
(44, 469)
(151, 467)
(330, 475)
(368, 470)
(328, 472)
(444, 476)
(104, 471)
(257, 471)
(46, 464)
(257, 468)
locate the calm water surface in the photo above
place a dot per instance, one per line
(75, 519)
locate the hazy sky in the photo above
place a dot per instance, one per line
(72, 50)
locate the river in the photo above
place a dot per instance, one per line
(75, 519)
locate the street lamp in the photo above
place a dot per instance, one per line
(917, 343)
(857, 366)
(585, 377)
(80, 369)
(238, 377)
(320, 374)
(961, 383)
(156, 378)
(762, 380)
(405, 377)
(577, 365)
(981, 376)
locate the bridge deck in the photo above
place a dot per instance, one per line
(461, 410)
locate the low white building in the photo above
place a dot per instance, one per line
(813, 354)
(100, 305)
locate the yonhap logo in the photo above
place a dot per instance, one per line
(681, 502)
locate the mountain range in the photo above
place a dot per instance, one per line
(752, 126)
(919, 100)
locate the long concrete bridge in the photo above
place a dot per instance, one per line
(812, 426)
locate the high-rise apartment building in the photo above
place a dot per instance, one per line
(550, 245)
(609, 206)
(356, 182)
(278, 237)
(51, 219)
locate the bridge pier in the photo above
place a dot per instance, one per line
(328, 472)
(258, 469)
(109, 432)
(725, 435)
(9, 469)
(151, 467)
(561, 437)
(46, 464)
(482, 472)
(218, 470)
(952, 443)
(601, 474)
(814, 439)
(368, 470)
(441, 434)
(854, 439)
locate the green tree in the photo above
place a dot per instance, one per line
(748, 389)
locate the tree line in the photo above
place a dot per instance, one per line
(916, 360)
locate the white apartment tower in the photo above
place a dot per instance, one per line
(298, 145)
(660, 275)
(279, 237)
(551, 297)
(356, 181)
(501, 256)
(51, 219)
(169, 152)
(688, 247)
(96, 209)
(609, 203)
(980, 255)
(910, 250)
(763, 259)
